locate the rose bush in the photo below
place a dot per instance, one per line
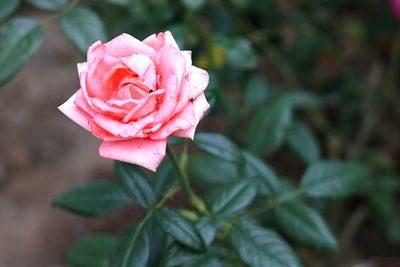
(134, 94)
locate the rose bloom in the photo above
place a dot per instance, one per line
(134, 94)
(395, 5)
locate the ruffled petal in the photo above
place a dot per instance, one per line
(75, 113)
(144, 67)
(167, 106)
(81, 102)
(200, 107)
(144, 107)
(126, 45)
(161, 39)
(186, 119)
(124, 130)
(97, 75)
(198, 78)
(102, 134)
(170, 61)
(143, 152)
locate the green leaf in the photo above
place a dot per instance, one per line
(157, 242)
(240, 54)
(178, 255)
(259, 247)
(267, 130)
(121, 2)
(7, 7)
(255, 167)
(164, 179)
(333, 179)
(48, 5)
(256, 91)
(132, 250)
(92, 251)
(135, 184)
(305, 225)
(193, 4)
(92, 199)
(20, 38)
(235, 197)
(303, 143)
(217, 171)
(180, 229)
(219, 146)
(83, 27)
(207, 229)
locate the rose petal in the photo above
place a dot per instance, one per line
(75, 113)
(143, 66)
(161, 39)
(198, 78)
(144, 107)
(187, 54)
(104, 107)
(102, 134)
(97, 75)
(126, 45)
(81, 102)
(170, 61)
(143, 152)
(184, 120)
(125, 130)
(200, 107)
(168, 103)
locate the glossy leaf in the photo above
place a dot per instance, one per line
(48, 5)
(179, 255)
(255, 167)
(157, 242)
(333, 179)
(20, 38)
(303, 143)
(83, 27)
(305, 225)
(135, 184)
(217, 171)
(92, 251)
(92, 199)
(234, 197)
(207, 229)
(259, 247)
(180, 229)
(219, 146)
(267, 130)
(164, 179)
(7, 7)
(132, 250)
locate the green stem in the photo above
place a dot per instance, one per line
(64, 11)
(150, 213)
(195, 200)
(181, 174)
(273, 204)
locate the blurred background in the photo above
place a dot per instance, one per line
(339, 59)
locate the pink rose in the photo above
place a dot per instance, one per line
(134, 94)
(395, 4)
